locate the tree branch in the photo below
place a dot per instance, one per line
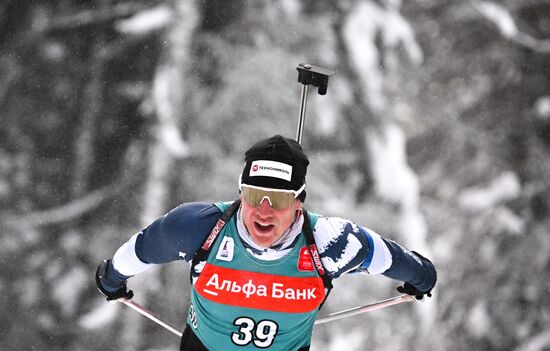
(502, 18)
(538, 342)
(89, 17)
(69, 211)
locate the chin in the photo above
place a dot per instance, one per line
(263, 242)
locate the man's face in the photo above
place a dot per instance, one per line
(266, 224)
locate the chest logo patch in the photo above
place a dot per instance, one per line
(227, 247)
(260, 291)
(305, 263)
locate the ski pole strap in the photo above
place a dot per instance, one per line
(204, 250)
(316, 257)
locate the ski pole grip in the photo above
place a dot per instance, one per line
(314, 75)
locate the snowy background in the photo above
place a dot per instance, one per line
(435, 132)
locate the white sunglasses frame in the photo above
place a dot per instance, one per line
(295, 192)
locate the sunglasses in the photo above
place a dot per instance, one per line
(278, 199)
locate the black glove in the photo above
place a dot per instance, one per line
(411, 290)
(112, 290)
(407, 288)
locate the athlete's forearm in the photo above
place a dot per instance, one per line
(411, 268)
(126, 261)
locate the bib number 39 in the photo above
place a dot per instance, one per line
(261, 334)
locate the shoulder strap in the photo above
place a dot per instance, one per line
(310, 240)
(204, 250)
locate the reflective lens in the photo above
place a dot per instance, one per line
(278, 199)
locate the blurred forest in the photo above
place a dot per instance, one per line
(435, 132)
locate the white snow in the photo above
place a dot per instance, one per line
(292, 8)
(499, 16)
(505, 187)
(509, 222)
(67, 290)
(172, 140)
(101, 314)
(367, 22)
(167, 131)
(146, 21)
(539, 342)
(479, 322)
(397, 182)
(363, 52)
(542, 108)
(349, 341)
(327, 114)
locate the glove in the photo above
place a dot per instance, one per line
(407, 288)
(411, 290)
(110, 288)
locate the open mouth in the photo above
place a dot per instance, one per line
(262, 227)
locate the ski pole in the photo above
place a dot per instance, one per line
(329, 318)
(366, 308)
(316, 76)
(143, 311)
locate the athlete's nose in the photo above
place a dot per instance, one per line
(265, 207)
